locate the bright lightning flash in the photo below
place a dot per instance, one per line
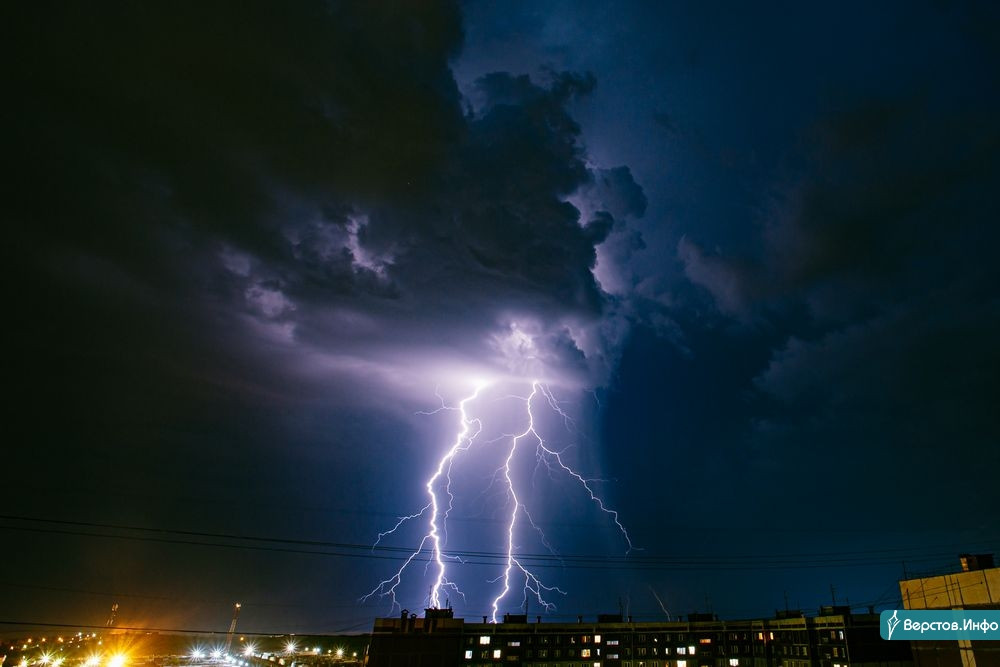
(441, 502)
(467, 433)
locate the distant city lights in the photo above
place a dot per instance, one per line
(206, 655)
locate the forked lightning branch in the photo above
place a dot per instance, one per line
(432, 551)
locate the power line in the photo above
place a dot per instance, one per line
(581, 561)
(536, 560)
(167, 598)
(181, 631)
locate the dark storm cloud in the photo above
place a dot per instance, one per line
(251, 239)
(246, 241)
(303, 183)
(886, 200)
(875, 284)
(730, 282)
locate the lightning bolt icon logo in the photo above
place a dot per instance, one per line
(892, 622)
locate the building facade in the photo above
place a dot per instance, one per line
(975, 586)
(834, 638)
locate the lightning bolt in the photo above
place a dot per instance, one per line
(531, 582)
(441, 503)
(437, 519)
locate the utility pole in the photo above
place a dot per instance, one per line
(232, 627)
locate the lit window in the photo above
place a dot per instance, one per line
(484, 640)
(514, 643)
(840, 634)
(771, 634)
(760, 636)
(704, 641)
(612, 642)
(681, 650)
(496, 653)
(735, 662)
(585, 653)
(597, 639)
(682, 663)
(691, 650)
(468, 655)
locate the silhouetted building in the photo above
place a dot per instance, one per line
(977, 586)
(835, 638)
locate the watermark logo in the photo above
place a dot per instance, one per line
(892, 622)
(940, 624)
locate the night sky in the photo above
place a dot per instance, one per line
(258, 252)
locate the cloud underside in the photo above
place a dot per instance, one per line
(306, 183)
